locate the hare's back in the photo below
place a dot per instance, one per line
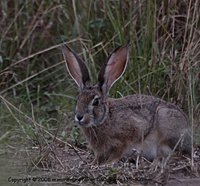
(148, 112)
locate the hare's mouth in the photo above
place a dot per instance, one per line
(85, 124)
(84, 121)
(90, 123)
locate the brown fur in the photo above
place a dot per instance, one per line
(114, 127)
(142, 130)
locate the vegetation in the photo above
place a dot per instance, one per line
(36, 93)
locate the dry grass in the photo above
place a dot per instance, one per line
(72, 165)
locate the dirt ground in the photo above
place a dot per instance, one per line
(72, 165)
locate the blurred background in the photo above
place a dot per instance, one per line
(37, 96)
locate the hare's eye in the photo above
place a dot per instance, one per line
(95, 102)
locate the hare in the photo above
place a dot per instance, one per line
(114, 127)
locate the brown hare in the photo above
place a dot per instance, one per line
(114, 127)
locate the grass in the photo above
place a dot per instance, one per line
(37, 95)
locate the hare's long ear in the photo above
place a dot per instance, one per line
(76, 67)
(113, 69)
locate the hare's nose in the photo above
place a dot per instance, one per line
(79, 117)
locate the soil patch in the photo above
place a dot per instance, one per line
(71, 164)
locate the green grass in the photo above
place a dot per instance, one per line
(36, 90)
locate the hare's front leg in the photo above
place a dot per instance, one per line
(113, 154)
(99, 159)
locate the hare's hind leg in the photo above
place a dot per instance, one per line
(173, 133)
(172, 126)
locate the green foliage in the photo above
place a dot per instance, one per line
(164, 59)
